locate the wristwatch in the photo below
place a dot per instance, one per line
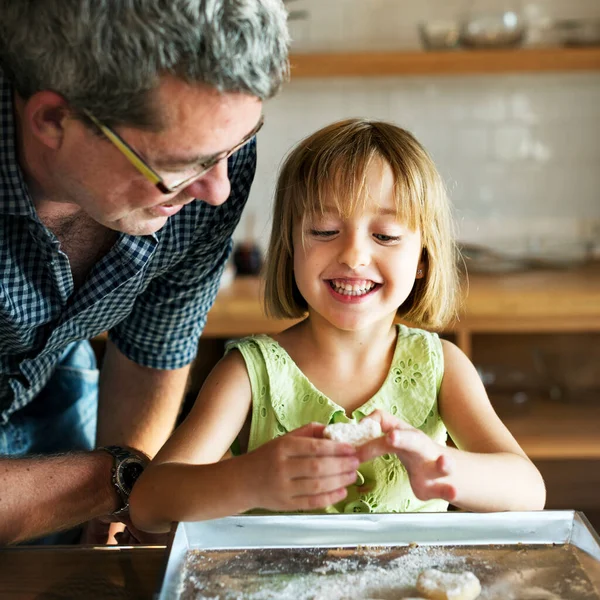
(127, 467)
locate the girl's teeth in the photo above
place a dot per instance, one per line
(349, 289)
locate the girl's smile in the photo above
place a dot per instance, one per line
(352, 291)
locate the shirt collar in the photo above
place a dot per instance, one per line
(14, 195)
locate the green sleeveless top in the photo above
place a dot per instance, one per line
(283, 399)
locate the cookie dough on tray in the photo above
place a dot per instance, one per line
(353, 433)
(439, 585)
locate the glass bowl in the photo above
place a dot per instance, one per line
(500, 30)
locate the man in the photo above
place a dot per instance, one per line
(126, 156)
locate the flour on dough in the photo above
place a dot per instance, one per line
(353, 433)
(439, 585)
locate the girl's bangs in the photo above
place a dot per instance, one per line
(340, 184)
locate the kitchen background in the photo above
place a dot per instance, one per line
(520, 152)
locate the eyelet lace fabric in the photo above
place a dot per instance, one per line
(407, 373)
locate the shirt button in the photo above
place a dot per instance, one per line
(359, 506)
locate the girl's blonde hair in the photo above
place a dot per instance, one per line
(330, 167)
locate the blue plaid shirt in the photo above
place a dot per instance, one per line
(151, 293)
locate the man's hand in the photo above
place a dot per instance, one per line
(108, 531)
(427, 463)
(101, 532)
(300, 471)
(131, 536)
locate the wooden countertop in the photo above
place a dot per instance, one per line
(81, 572)
(529, 301)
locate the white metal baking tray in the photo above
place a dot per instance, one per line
(383, 531)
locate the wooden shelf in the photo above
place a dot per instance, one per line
(456, 62)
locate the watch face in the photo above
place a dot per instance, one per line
(129, 473)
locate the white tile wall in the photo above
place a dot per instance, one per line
(520, 153)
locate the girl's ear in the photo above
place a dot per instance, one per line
(422, 266)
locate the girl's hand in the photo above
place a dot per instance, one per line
(300, 471)
(428, 465)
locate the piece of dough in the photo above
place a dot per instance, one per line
(353, 433)
(439, 585)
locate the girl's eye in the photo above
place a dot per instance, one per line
(322, 233)
(386, 239)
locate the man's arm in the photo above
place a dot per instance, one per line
(138, 405)
(40, 495)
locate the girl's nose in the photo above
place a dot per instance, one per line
(214, 187)
(354, 252)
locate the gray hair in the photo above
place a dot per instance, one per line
(106, 56)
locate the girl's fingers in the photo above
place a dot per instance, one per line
(415, 447)
(311, 430)
(413, 441)
(443, 465)
(374, 448)
(449, 493)
(387, 421)
(310, 486)
(318, 501)
(315, 468)
(299, 446)
(444, 491)
(400, 442)
(308, 441)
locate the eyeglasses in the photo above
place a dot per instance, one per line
(150, 174)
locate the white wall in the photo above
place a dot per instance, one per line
(520, 153)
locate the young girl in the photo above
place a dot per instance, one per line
(362, 234)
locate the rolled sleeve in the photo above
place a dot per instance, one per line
(163, 328)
